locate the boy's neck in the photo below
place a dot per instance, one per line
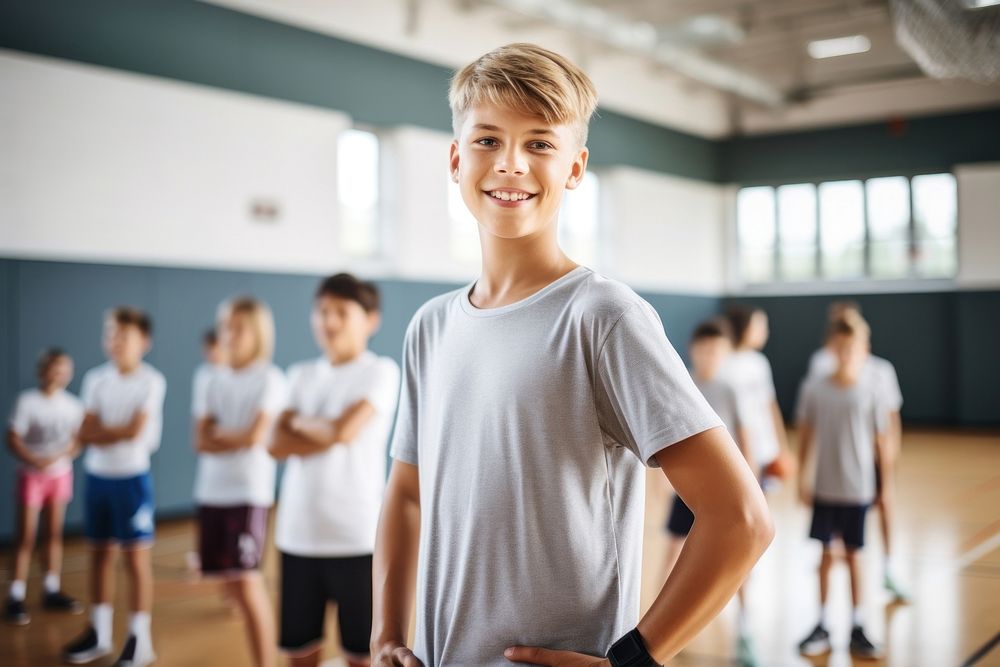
(128, 366)
(514, 269)
(704, 375)
(337, 358)
(845, 377)
(49, 389)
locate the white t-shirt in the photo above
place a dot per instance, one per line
(46, 424)
(199, 386)
(750, 372)
(823, 363)
(234, 398)
(330, 501)
(115, 399)
(721, 394)
(846, 421)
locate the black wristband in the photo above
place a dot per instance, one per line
(630, 651)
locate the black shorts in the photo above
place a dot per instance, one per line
(838, 520)
(307, 584)
(681, 518)
(231, 539)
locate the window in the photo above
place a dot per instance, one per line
(881, 228)
(578, 220)
(358, 192)
(464, 227)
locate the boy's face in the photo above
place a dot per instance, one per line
(707, 355)
(239, 339)
(341, 326)
(214, 353)
(513, 168)
(759, 331)
(124, 344)
(58, 374)
(850, 351)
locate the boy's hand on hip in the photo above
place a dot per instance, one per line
(394, 654)
(551, 658)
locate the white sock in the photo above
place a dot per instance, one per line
(822, 616)
(857, 617)
(17, 590)
(101, 616)
(138, 625)
(52, 582)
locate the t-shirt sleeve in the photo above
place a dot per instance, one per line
(19, 420)
(88, 391)
(152, 405)
(767, 379)
(646, 400)
(199, 392)
(405, 438)
(806, 407)
(384, 386)
(275, 396)
(890, 390)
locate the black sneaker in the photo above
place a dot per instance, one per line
(16, 613)
(817, 643)
(861, 647)
(130, 657)
(58, 601)
(85, 649)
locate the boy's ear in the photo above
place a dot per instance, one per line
(453, 161)
(374, 322)
(578, 169)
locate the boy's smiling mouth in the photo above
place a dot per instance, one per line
(509, 196)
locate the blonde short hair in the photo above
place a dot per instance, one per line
(528, 79)
(261, 321)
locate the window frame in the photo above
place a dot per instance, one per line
(866, 283)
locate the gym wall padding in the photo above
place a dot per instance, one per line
(45, 303)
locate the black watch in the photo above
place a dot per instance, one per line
(630, 651)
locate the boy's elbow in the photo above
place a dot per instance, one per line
(758, 526)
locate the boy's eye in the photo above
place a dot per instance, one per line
(539, 145)
(487, 141)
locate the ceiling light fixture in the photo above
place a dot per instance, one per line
(839, 46)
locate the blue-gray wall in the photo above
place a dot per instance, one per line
(62, 303)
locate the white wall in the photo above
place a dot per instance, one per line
(665, 233)
(109, 166)
(978, 225)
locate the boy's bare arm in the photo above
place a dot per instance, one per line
(732, 530)
(805, 446)
(94, 432)
(215, 440)
(343, 429)
(285, 442)
(394, 568)
(21, 451)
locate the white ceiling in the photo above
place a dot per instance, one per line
(764, 40)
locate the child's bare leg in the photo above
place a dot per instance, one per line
(102, 582)
(310, 659)
(251, 594)
(56, 513)
(27, 522)
(857, 585)
(139, 563)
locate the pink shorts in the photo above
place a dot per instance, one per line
(35, 489)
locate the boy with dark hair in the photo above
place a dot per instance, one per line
(42, 435)
(123, 400)
(531, 400)
(334, 437)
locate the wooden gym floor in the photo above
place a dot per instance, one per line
(947, 555)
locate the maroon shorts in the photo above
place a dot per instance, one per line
(231, 539)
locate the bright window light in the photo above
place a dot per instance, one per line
(979, 4)
(840, 46)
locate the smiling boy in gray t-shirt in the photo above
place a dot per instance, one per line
(531, 399)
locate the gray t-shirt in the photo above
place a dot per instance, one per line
(846, 421)
(721, 394)
(530, 424)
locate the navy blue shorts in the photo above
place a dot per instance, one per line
(839, 520)
(119, 509)
(681, 518)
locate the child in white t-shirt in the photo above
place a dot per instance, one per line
(121, 429)
(42, 435)
(334, 435)
(234, 487)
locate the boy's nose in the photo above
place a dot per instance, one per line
(511, 162)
